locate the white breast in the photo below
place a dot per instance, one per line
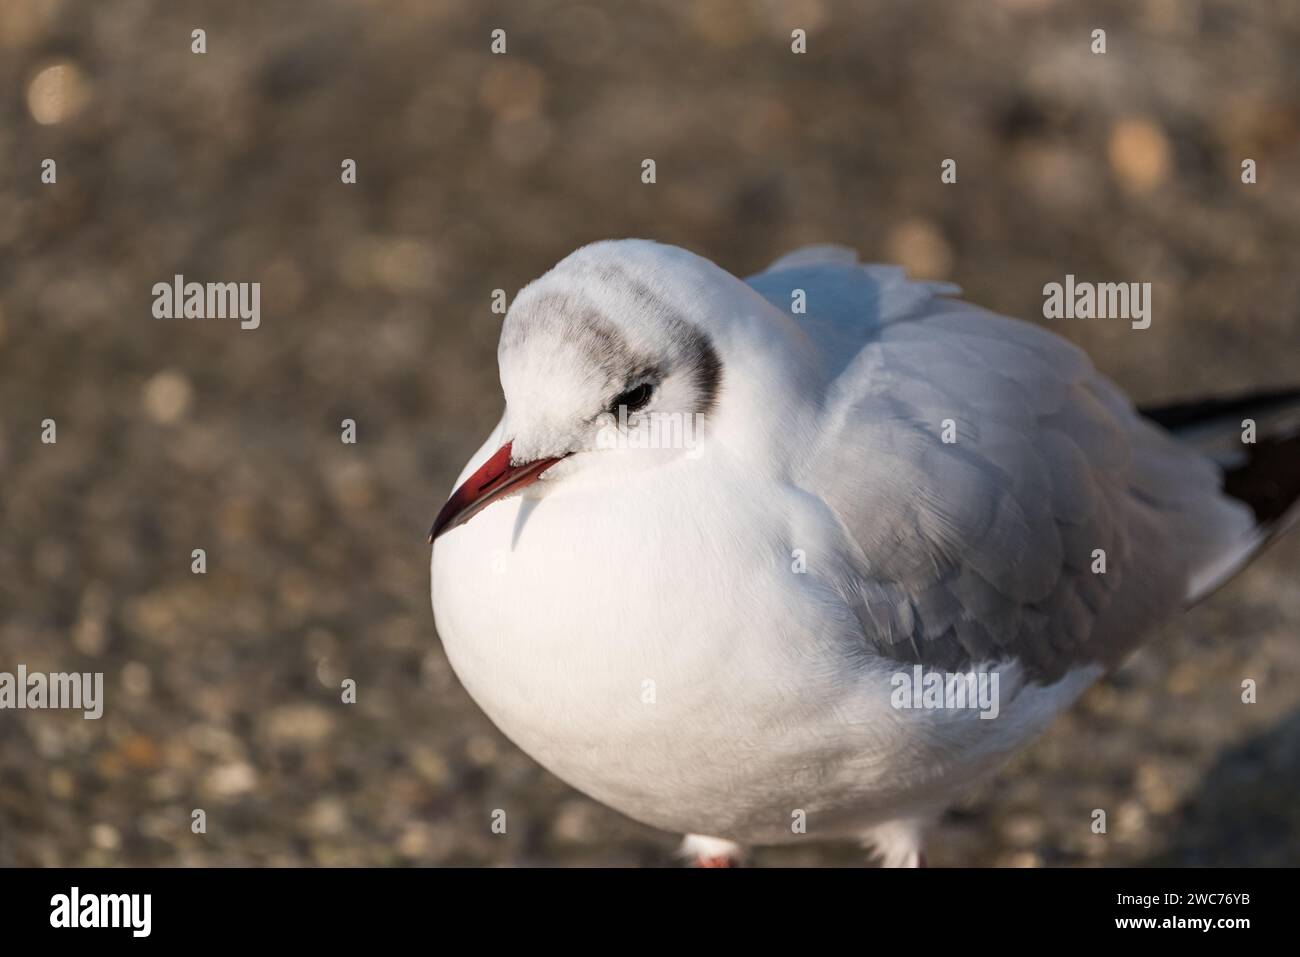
(682, 674)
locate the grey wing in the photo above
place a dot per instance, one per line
(1004, 500)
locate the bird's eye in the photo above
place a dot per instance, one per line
(634, 399)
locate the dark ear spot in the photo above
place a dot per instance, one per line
(702, 359)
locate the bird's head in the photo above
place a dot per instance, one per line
(617, 359)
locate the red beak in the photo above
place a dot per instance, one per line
(495, 479)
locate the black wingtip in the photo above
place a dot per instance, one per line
(1266, 473)
(1269, 480)
(1181, 415)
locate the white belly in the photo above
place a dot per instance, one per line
(716, 692)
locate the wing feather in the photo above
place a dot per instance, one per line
(985, 547)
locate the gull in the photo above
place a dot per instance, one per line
(882, 484)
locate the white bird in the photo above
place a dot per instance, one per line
(712, 538)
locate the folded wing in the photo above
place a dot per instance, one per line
(1004, 500)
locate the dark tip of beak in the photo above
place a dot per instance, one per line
(494, 480)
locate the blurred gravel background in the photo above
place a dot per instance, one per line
(480, 171)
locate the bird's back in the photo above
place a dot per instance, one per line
(1007, 500)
